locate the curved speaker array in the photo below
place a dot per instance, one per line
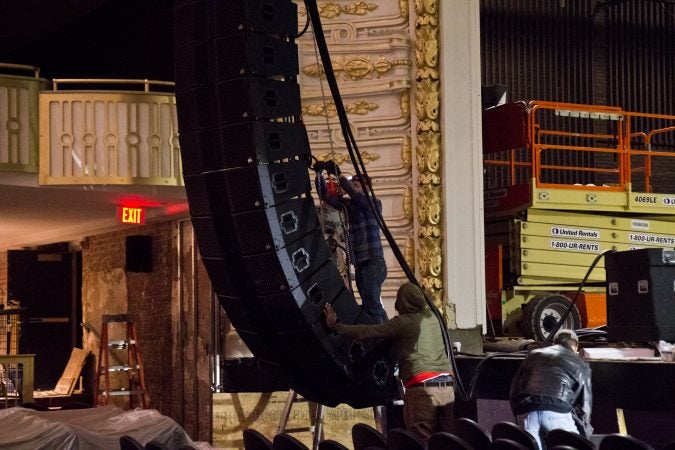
(245, 165)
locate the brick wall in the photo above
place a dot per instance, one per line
(3, 278)
(108, 289)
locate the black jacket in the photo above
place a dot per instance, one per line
(553, 379)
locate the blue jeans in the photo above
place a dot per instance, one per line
(369, 278)
(538, 423)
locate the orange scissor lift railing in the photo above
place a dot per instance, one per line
(563, 183)
(599, 142)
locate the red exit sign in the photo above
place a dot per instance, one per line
(131, 215)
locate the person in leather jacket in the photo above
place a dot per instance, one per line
(552, 389)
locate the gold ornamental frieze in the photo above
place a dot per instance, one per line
(429, 207)
(332, 10)
(383, 156)
(361, 108)
(428, 155)
(358, 67)
(379, 112)
(427, 104)
(355, 12)
(342, 158)
(430, 189)
(430, 260)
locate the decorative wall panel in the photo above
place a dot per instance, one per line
(371, 55)
(18, 119)
(428, 149)
(109, 138)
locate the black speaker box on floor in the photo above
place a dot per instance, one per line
(138, 253)
(641, 295)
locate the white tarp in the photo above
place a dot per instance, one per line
(93, 428)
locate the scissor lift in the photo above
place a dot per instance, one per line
(564, 183)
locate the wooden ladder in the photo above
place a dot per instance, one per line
(132, 368)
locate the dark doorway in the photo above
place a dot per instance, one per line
(47, 285)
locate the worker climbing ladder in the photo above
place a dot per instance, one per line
(129, 377)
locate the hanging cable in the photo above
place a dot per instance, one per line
(567, 312)
(521, 354)
(304, 29)
(342, 212)
(360, 170)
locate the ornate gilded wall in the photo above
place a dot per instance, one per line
(385, 57)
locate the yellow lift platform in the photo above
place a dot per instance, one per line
(563, 184)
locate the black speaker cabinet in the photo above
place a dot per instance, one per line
(641, 295)
(139, 253)
(246, 161)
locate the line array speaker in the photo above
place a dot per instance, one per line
(246, 161)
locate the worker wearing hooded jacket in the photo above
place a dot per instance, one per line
(418, 347)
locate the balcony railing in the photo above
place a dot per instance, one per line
(109, 136)
(19, 117)
(97, 131)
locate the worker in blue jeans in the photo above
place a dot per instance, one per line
(552, 389)
(370, 269)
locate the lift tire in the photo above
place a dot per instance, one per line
(544, 311)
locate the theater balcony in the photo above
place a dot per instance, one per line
(86, 132)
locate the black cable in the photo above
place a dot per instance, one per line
(474, 378)
(304, 29)
(355, 155)
(360, 169)
(560, 323)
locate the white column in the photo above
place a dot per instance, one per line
(463, 243)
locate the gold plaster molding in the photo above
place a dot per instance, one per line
(360, 108)
(409, 253)
(406, 152)
(408, 210)
(340, 158)
(428, 149)
(357, 67)
(404, 103)
(332, 10)
(403, 7)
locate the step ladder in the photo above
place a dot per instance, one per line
(129, 374)
(316, 419)
(316, 411)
